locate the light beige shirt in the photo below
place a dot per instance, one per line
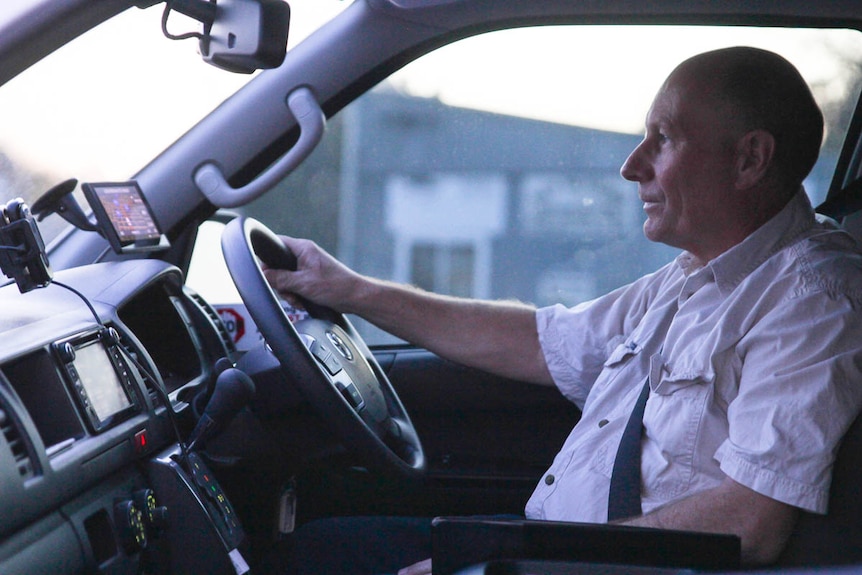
(757, 377)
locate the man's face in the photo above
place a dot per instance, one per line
(684, 168)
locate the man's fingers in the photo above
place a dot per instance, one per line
(275, 279)
(280, 280)
(296, 245)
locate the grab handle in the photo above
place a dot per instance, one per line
(305, 109)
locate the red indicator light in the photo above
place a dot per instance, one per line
(141, 441)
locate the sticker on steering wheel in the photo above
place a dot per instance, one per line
(294, 313)
(241, 328)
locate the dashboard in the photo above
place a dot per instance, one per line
(91, 474)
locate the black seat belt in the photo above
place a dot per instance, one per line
(844, 203)
(624, 498)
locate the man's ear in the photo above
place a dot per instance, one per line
(755, 151)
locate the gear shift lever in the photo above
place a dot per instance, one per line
(233, 391)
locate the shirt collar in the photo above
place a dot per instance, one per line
(733, 266)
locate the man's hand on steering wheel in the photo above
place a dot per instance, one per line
(318, 277)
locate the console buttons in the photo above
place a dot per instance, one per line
(130, 524)
(155, 516)
(351, 394)
(325, 357)
(216, 496)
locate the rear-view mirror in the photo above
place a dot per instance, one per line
(247, 35)
(238, 35)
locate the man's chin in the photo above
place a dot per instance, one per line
(653, 232)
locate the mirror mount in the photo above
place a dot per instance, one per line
(203, 11)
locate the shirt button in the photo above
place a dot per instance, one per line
(549, 479)
(603, 423)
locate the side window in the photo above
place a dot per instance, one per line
(490, 168)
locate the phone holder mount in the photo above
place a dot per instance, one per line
(129, 225)
(22, 251)
(59, 200)
(238, 35)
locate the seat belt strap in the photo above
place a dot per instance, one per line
(844, 203)
(624, 499)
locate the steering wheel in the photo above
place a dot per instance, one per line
(326, 358)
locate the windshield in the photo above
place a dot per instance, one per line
(104, 105)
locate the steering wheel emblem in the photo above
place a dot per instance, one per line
(339, 344)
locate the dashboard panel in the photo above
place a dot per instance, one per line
(87, 444)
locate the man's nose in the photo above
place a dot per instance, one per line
(636, 168)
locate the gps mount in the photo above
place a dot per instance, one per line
(122, 215)
(59, 200)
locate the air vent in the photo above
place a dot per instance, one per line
(214, 317)
(17, 443)
(142, 367)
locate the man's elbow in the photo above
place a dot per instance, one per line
(763, 540)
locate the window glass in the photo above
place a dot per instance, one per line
(490, 168)
(104, 105)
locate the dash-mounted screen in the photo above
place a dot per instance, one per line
(105, 392)
(99, 378)
(124, 215)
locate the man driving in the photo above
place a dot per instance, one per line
(747, 347)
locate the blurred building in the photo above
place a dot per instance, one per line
(470, 203)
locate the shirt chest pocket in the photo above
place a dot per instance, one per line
(673, 420)
(626, 355)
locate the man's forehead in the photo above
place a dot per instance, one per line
(664, 108)
(682, 95)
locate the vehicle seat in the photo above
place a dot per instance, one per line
(834, 538)
(817, 540)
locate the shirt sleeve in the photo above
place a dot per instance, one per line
(577, 341)
(800, 390)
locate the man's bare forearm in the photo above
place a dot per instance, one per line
(763, 524)
(496, 336)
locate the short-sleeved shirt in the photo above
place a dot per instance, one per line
(757, 377)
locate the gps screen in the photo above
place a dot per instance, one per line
(124, 212)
